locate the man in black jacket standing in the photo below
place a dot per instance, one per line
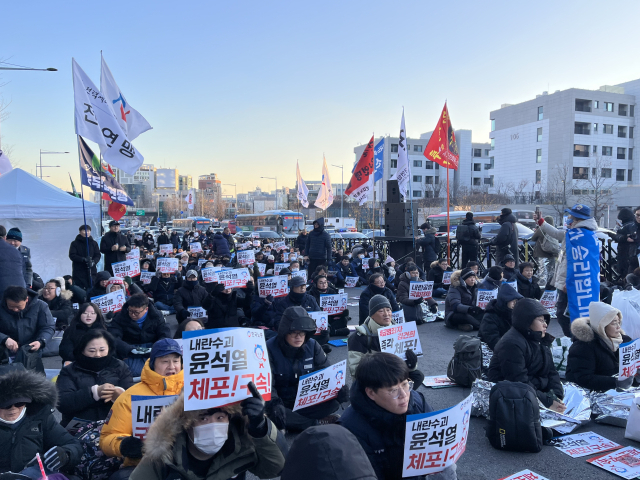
(430, 246)
(468, 236)
(12, 264)
(318, 246)
(506, 241)
(114, 246)
(83, 260)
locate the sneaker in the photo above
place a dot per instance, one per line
(165, 312)
(328, 420)
(465, 327)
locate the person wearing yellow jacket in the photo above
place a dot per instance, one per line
(162, 375)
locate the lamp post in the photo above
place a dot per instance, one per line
(235, 194)
(276, 179)
(45, 152)
(341, 167)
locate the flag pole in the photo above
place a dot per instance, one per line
(84, 215)
(448, 220)
(373, 204)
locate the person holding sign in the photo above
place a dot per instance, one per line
(163, 288)
(190, 294)
(337, 322)
(459, 308)
(100, 285)
(528, 285)
(412, 306)
(224, 304)
(377, 286)
(382, 396)
(436, 275)
(594, 356)
(114, 246)
(497, 316)
(344, 270)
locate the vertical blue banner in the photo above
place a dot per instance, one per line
(583, 271)
(378, 154)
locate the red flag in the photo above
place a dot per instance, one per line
(116, 210)
(361, 181)
(442, 147)
(105, 196)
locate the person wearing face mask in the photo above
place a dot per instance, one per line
(89, 386)
(594, 357)
(376, 286)
(190, 294)
(410, 306)
(163, 288)
(344, 269)
(356, 262)
(527, 283)
(87, 318)
(318, 245)
(389, 267)
(57, 299)
(183, 262)
(225, 305)
(497, 316)
(162, 375)
(436, 274)
(523, 354)
(460, 310)
(28, 425)
(337, 322)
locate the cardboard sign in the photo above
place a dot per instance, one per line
(219, 364)
(436, 440)
(167, 265)
(321, 319)
(256, 243)
(438, 381)
(397, 317)
(350, 282)
(277, 286)
(629, 358)
(300, 273)
(145, 277)
(202, 261)
(624, 462)
(209, 275)
(279, 246)
(197, 312)
(320, 386)
(583, 444)
(485, 296)
(333, 304)
(549, 299)
(144, 411)
(237, 277)
(420, 290)
(165, 248)
(111, 302)
(525, 475)
(134, 254)
(279, 266)
(195, 247)
(262, 268)
(397, 339)
(446, 278)
(246, 257)
(128, 268)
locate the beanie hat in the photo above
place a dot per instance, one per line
(378, 302)
(164, 347)
(508, 258)
(424, 226)
(14, 234)
(469, 216)
(191, 273)
(466, 273)
(506, 211)
(103, 275)
(389, 260)
(297, 282)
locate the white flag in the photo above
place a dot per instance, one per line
(95, 121)
(129, 119)
(402, 174)
(5, 164)
(190, 199)
(325, 195)
(303, 191)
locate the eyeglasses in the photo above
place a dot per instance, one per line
(16, 405)
(137, 313)
(406, 388)
(616, 323)
(297, 334)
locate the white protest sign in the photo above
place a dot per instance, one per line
(165, 248)
(320, 386)
(167, 265)
(397, 317)
(629, 358)
(195, 247)
(146, 277)
(128, 268)
(334, 304)
(446, 278)
(220, 363)
(485, 296)
(246, 257)
(435, 440)
(321, 319)
(134, 254)
(525, 475)
(111, 302)
(201, 261)
(197, 312)
(350, 282)
(285, 257)
(262, 268)
(76, 306)
(279, 266)
(256, 243)
(420, 290)
(277, 286)
(300, 273)
(549, 299)
(583, 444)
(279, 246)
(209, 275)
(234, 278)
(365, 265)
(438, 381)
(397, 339)
(624, 462)
(145, 409)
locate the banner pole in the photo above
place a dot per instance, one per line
(84, 215)
(448, 221)
(373, 204)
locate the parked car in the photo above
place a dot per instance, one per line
(369, 233)
(353, 235)
(490, 230)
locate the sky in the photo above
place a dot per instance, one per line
(244, 89)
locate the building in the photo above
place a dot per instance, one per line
(139, 186)
(185, 183)
(167, 179)
(210, 186)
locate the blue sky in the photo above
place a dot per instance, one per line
(245, 88)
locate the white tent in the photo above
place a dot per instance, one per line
(48, 217)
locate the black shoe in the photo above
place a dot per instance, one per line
(327, 348)
(342, 332)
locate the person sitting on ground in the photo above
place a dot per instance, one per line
(389, 268)
(594, 356)
(382, 395)
(365, 339)
(523, 354)
(460, 310)
(88, 317)
(632, 280)
(377, 286)
(189, 325)
(99, 286)
(493, 280)
(528, 285)
(473, 265)
(78, 295)
(57, 299)
(163, 287)
(162, 375)
(190, 294)
(374, 267)
(497, 316)
(436, 275)
(28, 425)
(292, 354)
(509, 268)
(225, 306)
(344, 270)
(410, 305)
(337, 322)
(89, 386)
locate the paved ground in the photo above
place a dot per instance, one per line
(480, 461)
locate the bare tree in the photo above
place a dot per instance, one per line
(559, 186)
(595, 190)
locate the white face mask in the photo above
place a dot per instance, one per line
(360, 256)
(295, 269)
(24, 410)
(183, 262)
(210, 438)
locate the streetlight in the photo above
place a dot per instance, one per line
(47, 166)
(276, 179)
(341, 167)
(235, 194)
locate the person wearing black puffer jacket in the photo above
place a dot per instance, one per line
(436, 275)
(460, 310)
(497, 316)
(84, 254)
(528, 285)
(411, 307)
(523, 354)
(225, 306)
(337, 322)
(99, 286)
(493, 279)
(468, 236)
(301, 241)
(88, 317)
(190, 294)
(376, 287)
(318, 246)
(163, 287)
(506, 241)
(429, 244)
(627, 250)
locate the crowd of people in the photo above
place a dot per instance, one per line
(108, 356)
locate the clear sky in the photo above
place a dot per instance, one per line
(245, 88)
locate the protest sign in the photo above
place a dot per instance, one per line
(128, 268)
(583, 444)
(134, 254)
(629, 358)
(201, 261)
(525, 475)
(333, 304)
(420, 290)
(220, 363)
(277, 286)
(246, 257)
(397, 339)
(146, 277)
(365, 265)
(111, 302)
(436, 440)
(397, 317)
(237, 277)
(549, 299)
(145, 409)
(197, 312)
(256, 243)
(167, 265)
(76, 306)
(195, 247)
(320, 386)
(624, 462)
(279, 266)
(485, 296)
(446, 278)
(300, 273)
(350, 282)
(165, 248)
(279, 246)
(439, 381)
(209, 275)
(262, 268)
(285, 257)
(321, 319)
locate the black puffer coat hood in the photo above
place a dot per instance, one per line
(525, 311)
(320, 229)
(625, 215)
(506, 293)
(16, 382)
(296, 319)
(507, 218)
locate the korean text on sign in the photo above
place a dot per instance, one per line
(420, 290)
(237, 277)
(629, 359)
(333, 304)
(624, 462)
(549, 299)
(276, 286)
(197, 312)
(583, 444)
(145, 277)
(111, 302)
(279, 266)
(262, 268)
(397, 317)
(166, 248)
(485, 296)
(128, 268)
(220, 363)
(246, 257)
(145, 409)
(321, 319)
(167, 265)
(300, 273)
(446, 278)
(350, 282)
(195, 247)
(279, 246)
(397, 339)
(134, 254)
(209, 275)
(436, 440)
(525, 475)
(318, 387)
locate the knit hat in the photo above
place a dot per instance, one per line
(164, 347)
(466, 273)
(600, 316)
(297, 282)
(285, 271)
(103, 275)
(389, 260)
(469, 216)
(508, 258)
(191, 273)
(14, 234)
(424, 226)
(114, 281)
(506, 211)
(378, 302)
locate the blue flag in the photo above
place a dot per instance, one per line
(378, 153)
(583, 271)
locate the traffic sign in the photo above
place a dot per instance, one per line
(140, 213)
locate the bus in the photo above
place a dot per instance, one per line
(279, 221)
(439, 221)
(191, 223)
(231, 224)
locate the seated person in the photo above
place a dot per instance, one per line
(162, 375)
(523, 354)
(497, 316)
(188, 325)
(493, 280)
(78, 295)
(262, 314)
(460, 310)
(163, 287)
(382, 395)
(344, 270)
(376, 287)
(293, 353)
(57, 299)
(436, 274)
(28, 425)
(225, 306)
(365, 339)
(509, 268)
(96, 378)
(409, 305)
(88, 317)
(190, 294)
(389, 268)
(337, 322)
(99, 285)
(528, 284)
(594, 356)
(374, 267)
(473, 265)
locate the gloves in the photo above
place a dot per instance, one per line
(540, 221)
(624, 384)
(131, 447)
(418, 301)
(343, 394)
(56, 458)
(434, 308)
(253, 408)
(269, 298)
(109, 316)
(475, 310)
(412, 359)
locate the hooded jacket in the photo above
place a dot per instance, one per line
(97, 290)
(318, 244)
(626, 249)
(165, 448)
(368, 293)
(593, 359)
(60, 306)
(460, 297)
(111, 256)
(33, 323)
(528, 289)
(118, 423)
(222, 308)
(12, 267)
(489, 284)
(282, 303)
(430, 246)
(435, 275)
(523, 355)
(163, 289)
(128, 334)
(468, 234)
(78, 256)
(506, 240)
(38, 431)
(220, 246)
(188, 296)
(497, 317)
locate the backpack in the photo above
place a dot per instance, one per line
(466, 364)
(514, 418)
(550, 244)
(94, 465)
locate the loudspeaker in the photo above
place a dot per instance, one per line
(397, 220)
(393, 192)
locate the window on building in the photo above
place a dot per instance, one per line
(631, 154)
(493, 125)
(540, 113)
(539, 134)
(632, 110)
(417, 163)
(437, 166)
(595, 128)
(605, 173)
(630, 132)
(538, 176)
(486, 152)
(581, 128)
(417, 178)
(490, 165)
(477, 152)
(428, 164)
(581, 150)
(593, 172)
(595, 149)
(580, 173)
(607, 151)
(394, 163)
(394, 148)
(608, 106)
(493, 143)
(607, 128)
(436, 180)
(583, 105)
(417, 194)
(428, 180)
(620, 174)
(489, 181)
(622, 131)
(622, 109)
(417, 148)
(629, 175)
(596, 104)
(622, 153)
(539, 155)
(477, 167)
(476, 182)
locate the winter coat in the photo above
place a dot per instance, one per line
(435, 275)
(12, 267)
(60, 308)
(318, 244)
(76, 397)
(128, 334)
(468, 234)
(175, 240)
(223, 309)
(489, 284)
(528, 289)
(165, 448)
(38, 431)
(344, 272)
(301, 243)
(163, 289)
(506, 241)
(430, 246)
(220, 246)
(33, 323)
(331, 290)
(163, 239)
(78, 295)
(538, 238)
(107, 242)
(368, 293)
(28, 272)
(626, 250)
(509, 274)
(282, 303)
(186, 297)
(78, 256)
(118, 424)
(460, 297)
(71, 338)
(262, 314)
(497, 316)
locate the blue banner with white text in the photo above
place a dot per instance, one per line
(378, 154)
(583, 271)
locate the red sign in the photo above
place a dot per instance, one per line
(442, 147)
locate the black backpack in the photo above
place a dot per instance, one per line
(514, 418)
(466, 364)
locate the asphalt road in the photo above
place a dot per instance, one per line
(480, 461)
